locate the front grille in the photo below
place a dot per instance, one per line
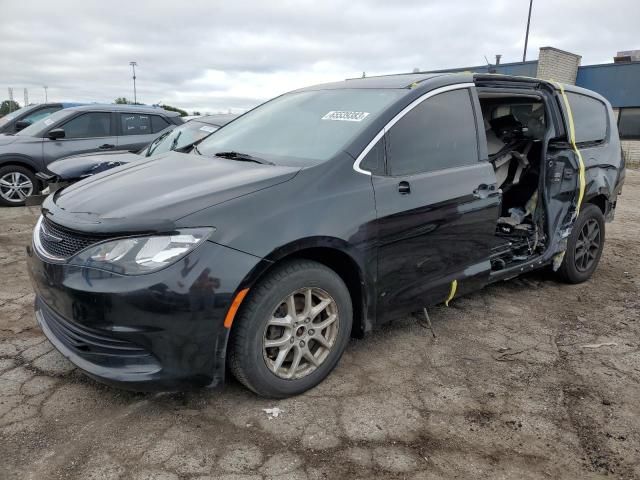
(83, 340)
(60, 242)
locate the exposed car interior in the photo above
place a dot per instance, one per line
(515, 126)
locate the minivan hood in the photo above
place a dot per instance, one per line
(79, 166)
(150, 195)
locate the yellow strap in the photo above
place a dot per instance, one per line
(454, 287)
(572, 138)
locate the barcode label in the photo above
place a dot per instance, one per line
(344, 116)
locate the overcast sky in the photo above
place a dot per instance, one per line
(218, 55)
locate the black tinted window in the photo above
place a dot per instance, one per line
(135, 124)
(629, 125)
(158, 123)
(87, 125)
(374, 160)
(589, 118)
(439, 133)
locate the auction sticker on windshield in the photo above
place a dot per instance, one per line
(48, 121)
(345, 116)
(207, 128)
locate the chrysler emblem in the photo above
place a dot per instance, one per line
(48, 237)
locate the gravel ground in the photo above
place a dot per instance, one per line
(526, 379)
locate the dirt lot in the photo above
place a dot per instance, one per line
(527, 379)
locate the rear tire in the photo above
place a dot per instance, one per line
(584, 246)
(291, 330)
(16, 184)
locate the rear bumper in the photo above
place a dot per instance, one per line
(161, 331)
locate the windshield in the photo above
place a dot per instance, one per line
(310, 126)
(37, 128)
(10, 116)
(179, 137)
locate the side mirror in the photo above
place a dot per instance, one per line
(22, 124)
(56, 133)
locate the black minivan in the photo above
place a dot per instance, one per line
(317, 216)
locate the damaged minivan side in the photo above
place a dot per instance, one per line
(555, 151)
(317, 216)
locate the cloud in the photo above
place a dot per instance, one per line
(214, 56)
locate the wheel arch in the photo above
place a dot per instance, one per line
(601, 201)
(334, 254)
(601, 187)
(19, 161)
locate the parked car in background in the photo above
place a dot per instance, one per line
(89, 128)
(322, 213)
(182, 138)
(20, 119)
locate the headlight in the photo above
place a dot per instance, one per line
(138, 255)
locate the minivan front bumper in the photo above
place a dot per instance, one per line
(159, 331)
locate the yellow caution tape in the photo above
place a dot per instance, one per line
(454, 287)
(572, 138)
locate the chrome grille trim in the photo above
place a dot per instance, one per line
(57, 244)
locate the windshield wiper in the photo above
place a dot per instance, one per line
(243, 157)
(174, 144)
(153, 145)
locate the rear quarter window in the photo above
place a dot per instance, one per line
(589, 118)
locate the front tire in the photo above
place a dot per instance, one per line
(16, 184)
(584, 246)
(291, 330)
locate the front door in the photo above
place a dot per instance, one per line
(85, 133)
(437, 206)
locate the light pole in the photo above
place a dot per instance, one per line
(526, 36)
(46, 97)
(133, 67)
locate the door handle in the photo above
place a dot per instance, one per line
(106, 146)
(483, 191)
(404, 188)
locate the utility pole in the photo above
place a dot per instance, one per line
(46, 97)
(526, 36)
(26, 97)
(10, 99)
(133, 67)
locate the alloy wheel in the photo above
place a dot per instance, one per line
(15, 187)
(300, 333)
(587, 246)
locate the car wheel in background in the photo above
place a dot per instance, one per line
(584, 247)
(16, 184)
(291, 330)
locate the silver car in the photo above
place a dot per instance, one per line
(85, 129)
